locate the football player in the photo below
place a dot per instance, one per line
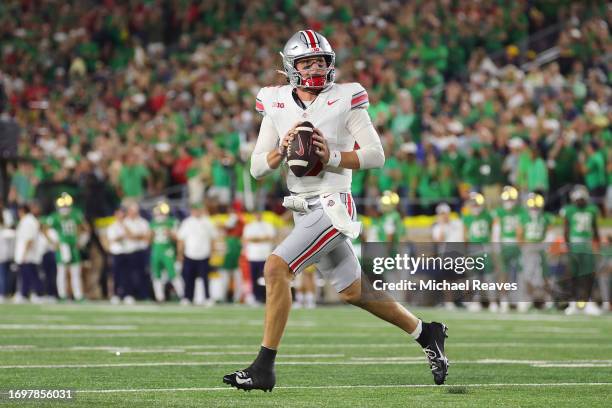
(448, 234)
(389, 227)
(581, 233)
(323, 208)
(534, 225)
(506, 222)
(163, 229)
(65, 228)
(478, 226)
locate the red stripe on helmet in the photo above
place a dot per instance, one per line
(312, 38)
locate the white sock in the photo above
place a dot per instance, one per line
(75, 280)
(237, 275)
(177, 282)
(60, 280)
(417, 332)
(309, 299)
(158, 289)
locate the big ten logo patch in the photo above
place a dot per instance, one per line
(280, 105)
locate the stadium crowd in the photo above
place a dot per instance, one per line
(132, 99)
(121, 102)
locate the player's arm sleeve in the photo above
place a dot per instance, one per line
(266, 142)
(370, 153)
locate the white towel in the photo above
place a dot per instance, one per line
(338, 214)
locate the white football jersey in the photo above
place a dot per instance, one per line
(329, 113)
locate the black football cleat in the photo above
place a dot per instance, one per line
(434, 350)
(251, 378)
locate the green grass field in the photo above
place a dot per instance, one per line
(330, 357)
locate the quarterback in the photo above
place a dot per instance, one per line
(323, 209)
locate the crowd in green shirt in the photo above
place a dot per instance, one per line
(149, 97)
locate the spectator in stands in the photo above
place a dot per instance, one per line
(133, 177)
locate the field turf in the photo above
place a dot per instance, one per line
(173, 356)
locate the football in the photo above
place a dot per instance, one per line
(301, 156)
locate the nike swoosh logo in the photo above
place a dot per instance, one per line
(330, 103)
(300, 151)
(245, 381)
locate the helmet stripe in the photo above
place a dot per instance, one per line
(311, 38)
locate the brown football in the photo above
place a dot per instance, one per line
(301, 156)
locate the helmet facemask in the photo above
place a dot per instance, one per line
(63, 204)
(476, 203)
(161, 211)
(535, 204)
(308, 44)
(509, 197)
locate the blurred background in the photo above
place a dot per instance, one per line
(120, 103)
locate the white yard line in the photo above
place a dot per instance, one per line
(573, 365)
(250, 353)
(13, 347)
(249, 349)
(327, 387)
(66, 327)
(297, 363)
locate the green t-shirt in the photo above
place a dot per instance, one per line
(478, 227)
(490, 169)
(523, 170)
(565, 163)
(509, 220)
(537, 175)
(411, 172)
(220, 174)
(535, 226)
(132, 178)
(596, 171)
(379, 108)
(66, 226)
(470, 171)
(23, 185)
(453, 159)
(580, 222)
(384, 175)
(358, 183)
(162, 231)
(403, 123)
